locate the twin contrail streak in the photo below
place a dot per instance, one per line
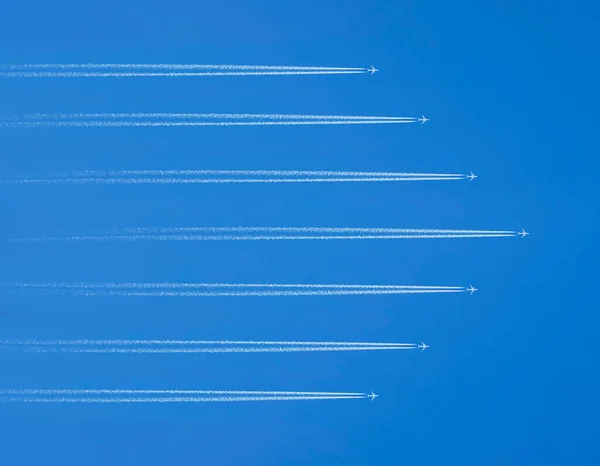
(275, 234)
(205, 116)
(189, 347)
(165, 396)
(172, 180)
(195, 342)
(169, 123)
(230, 176)
(275, 173)
(172, 66)
(225, 289)
(116, 70)
(194, 119)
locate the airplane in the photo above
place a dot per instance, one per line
(423, 346)
(423, 119)
(472, 176)
(523, 233)
(472, 289)
(372, 396)
(372, 70)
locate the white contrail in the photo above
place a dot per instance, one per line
(190, 294)
(213, 289)
(76, 392)
(312, 230)
(192, 350)
(273, 173)
(172, 74)
(163, 237)
(94, 124)
(205, 116)
(156, 180)
(229, 399)
(173, 66)
(171, 285)
(196, 343)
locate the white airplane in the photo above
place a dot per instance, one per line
(472, 289)
(423, 346)
(423, 119)
(523, 233)
(472, 176)
(372, 70)
(372, 396)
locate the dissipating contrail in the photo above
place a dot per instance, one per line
(194, 119)
(180, 289)
(229, 176)
(195, 346)
(166, 396)
(272, 234)
(121, 70)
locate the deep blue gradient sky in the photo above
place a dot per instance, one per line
(511, 375)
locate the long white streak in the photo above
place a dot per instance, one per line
(273, 173)
(220, 181)
(31, 342)
(173, 66)
(173, 74)
(230, 399)
(163, 237)
(259, 293)
(179, 350)
(69, 391)
(120, 124)
(311, 230)
(206, 116)
(171, 285)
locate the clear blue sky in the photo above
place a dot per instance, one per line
(511, 375)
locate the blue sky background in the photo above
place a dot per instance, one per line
(511, 375)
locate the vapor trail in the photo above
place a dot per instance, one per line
(274, 173)
(230, 399)
(192, 350)
(75, 392)
(170, 285)
(190, 294)
(124, 123)
(172, 74)
(171, 180)
(167, 237)
(312, 230)
(173, 66)
(195, 343)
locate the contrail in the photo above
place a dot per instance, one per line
(275, 234)
(93, 124)
(171, 180)
(76, 392)
(229, 399)
(231, 176)
(312, 230)
(118, 70)
(218, 289)
(191, 350)
(275, 173)
(163, 237)
(169, 285)
(168, 66)
(172, 74)
(194, 346)
(190, 294)
(196, 343)
(195, 119)
(164, 396)
(205, 116)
